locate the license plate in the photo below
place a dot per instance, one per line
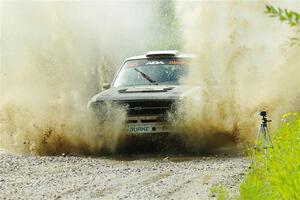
(140, 129)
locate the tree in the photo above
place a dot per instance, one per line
(165, 29)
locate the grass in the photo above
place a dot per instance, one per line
(282, 180)
(220, 192)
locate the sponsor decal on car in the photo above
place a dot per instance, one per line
(139, 129)
(155, 62)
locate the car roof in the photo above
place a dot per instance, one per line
(160, 54)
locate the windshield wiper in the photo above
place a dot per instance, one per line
(148, 78)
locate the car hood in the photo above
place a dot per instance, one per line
(158, 92)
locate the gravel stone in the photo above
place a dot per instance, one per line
(146, 177)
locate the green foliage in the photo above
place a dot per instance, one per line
(220, 192)
(293, 18)
(282, 180)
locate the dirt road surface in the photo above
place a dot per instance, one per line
(135, 177)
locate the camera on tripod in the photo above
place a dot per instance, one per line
(263, 114)
(264, 132)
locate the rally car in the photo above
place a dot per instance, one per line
(148, 86)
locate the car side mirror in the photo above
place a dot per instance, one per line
(105, 86)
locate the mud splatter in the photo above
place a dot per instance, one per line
(54, 57)
(243, 65)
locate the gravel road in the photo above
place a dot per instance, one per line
(135, 177)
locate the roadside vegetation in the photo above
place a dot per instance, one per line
(220, 192)
(282, 179)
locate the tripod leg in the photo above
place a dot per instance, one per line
(265, 145)
(256, 145)
(266, 156)
(269, 137)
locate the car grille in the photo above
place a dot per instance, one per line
(148, 107)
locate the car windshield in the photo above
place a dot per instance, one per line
(154, 71)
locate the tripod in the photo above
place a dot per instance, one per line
(267, 142)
